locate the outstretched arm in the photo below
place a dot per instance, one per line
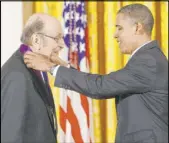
(134, 79)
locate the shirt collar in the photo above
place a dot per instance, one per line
(139, 48)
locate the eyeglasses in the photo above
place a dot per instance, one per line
(57, 38)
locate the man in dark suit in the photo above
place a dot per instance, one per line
(140, 88)
(27, 105)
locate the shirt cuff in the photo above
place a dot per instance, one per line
(56, 69)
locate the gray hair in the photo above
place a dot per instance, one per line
(139, 13)
(34, 26)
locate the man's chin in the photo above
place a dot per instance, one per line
(124, 51)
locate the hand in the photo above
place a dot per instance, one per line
(37, 61)
(54, 58)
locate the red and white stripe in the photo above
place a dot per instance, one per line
(76, 120)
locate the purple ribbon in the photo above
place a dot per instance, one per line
(24, 48)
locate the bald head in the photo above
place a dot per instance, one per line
(38, 23)
(43, 33)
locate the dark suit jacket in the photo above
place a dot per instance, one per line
(141, 92)
(26, 105)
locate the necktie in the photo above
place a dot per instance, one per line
(45, 77)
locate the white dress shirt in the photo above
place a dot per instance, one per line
(42, 76)
(55, 70)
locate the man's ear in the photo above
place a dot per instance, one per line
(139, 28)
(36, 40)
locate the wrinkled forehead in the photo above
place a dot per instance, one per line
(53, 27)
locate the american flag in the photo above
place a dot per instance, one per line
(75, 109)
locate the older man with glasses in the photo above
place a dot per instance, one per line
(27, 105)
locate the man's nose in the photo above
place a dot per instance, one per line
(61, 44)
(115, 35)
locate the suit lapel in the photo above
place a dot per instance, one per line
(41, 88)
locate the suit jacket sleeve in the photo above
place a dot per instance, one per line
(13, 106)
(137, 77)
